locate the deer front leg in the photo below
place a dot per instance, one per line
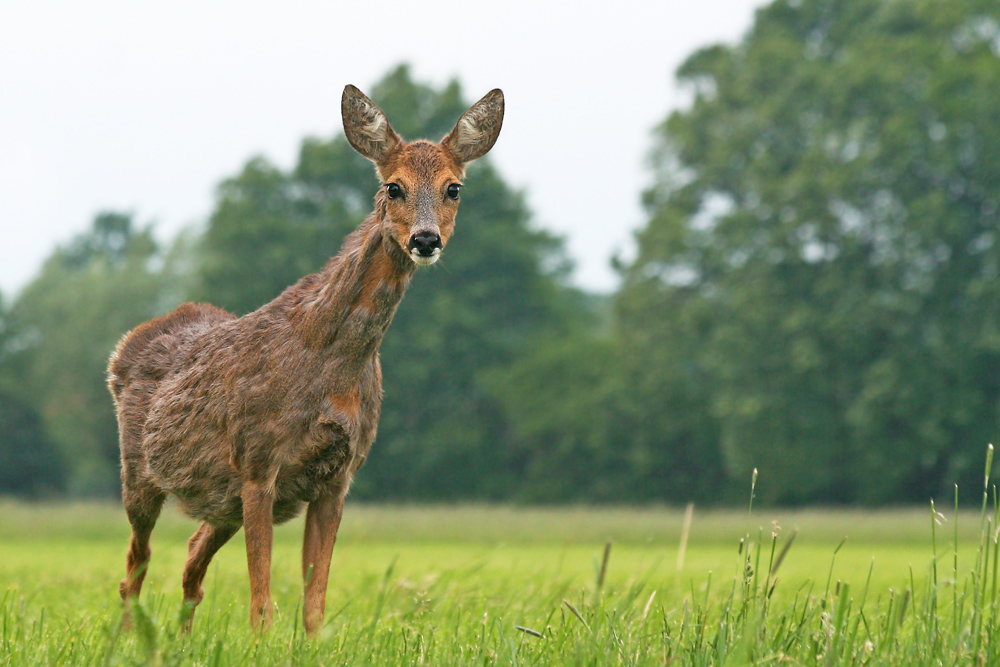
(322, 523)
(258, 523)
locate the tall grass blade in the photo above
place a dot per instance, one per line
(685, 531)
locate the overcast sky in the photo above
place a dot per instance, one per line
(145, 106)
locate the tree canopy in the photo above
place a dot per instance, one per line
(822, 245)
(61, 331)
(29, 465)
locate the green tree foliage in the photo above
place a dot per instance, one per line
(598, 416)
(820, 271)
(63, 327)
(496, 287)
(570, 439)
(29, 465)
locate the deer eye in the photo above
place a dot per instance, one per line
(453, 190)
(393, 191)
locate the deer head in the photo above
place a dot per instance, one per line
(421, 181)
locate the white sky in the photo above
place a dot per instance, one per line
(146, 106)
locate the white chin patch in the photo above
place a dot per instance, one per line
(420, 260)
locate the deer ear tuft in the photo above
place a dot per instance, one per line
(478, 128)
(366, 127)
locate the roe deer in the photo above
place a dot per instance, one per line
(244, 420)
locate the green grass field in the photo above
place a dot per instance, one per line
(504, 585)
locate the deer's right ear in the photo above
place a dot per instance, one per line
(478, 128)
(366, 126)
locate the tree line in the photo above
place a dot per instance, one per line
(815, 294)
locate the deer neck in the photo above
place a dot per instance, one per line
(349, 305)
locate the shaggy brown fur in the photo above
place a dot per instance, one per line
(246, 420)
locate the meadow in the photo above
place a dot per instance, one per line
(522, 586)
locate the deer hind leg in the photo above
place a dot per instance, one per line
(202, 546)
(142, 505)
(322, 523)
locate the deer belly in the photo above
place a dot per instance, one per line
(324, 461)
(201, 479)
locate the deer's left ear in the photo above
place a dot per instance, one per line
(478, 128)
(366, 127)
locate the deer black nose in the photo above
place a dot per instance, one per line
(425, 243)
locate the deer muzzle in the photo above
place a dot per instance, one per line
(425, 247)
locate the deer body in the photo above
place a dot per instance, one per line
(301, 383)
(246, 420)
